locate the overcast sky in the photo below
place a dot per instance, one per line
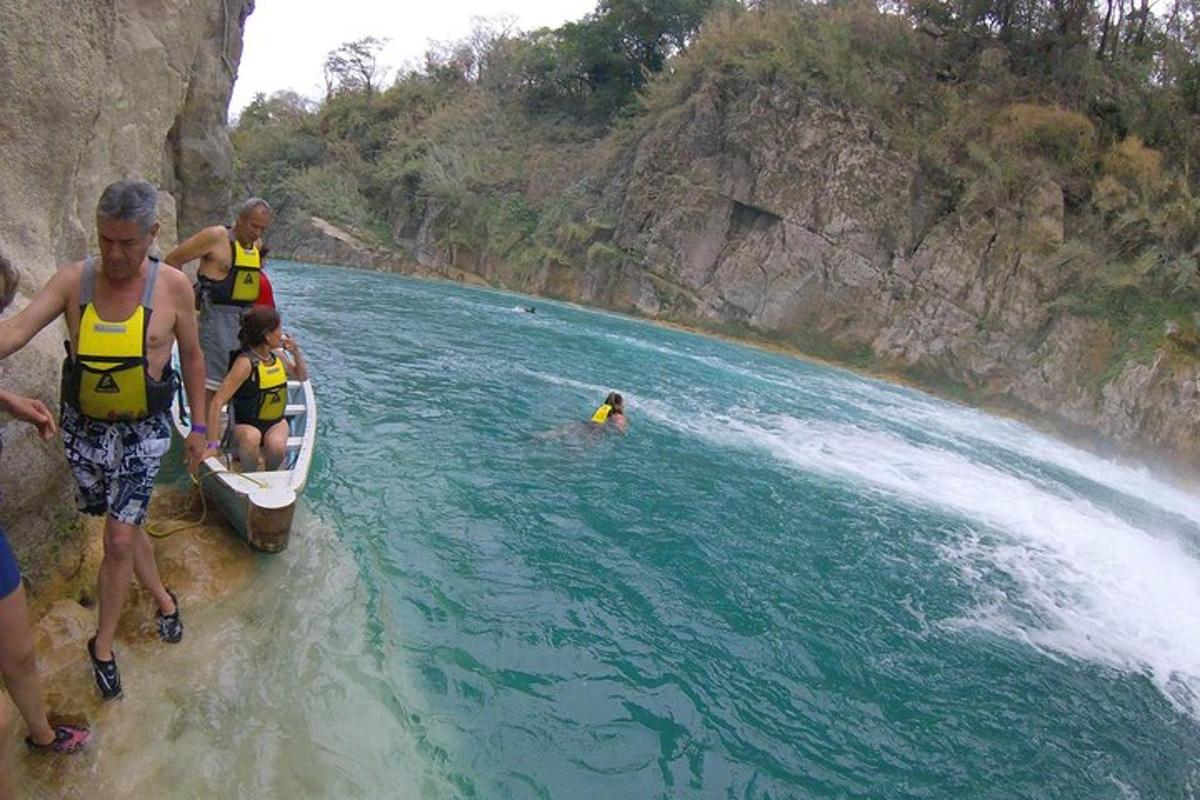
(287, 40)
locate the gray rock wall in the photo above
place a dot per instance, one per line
(786, 217)
(92, 91)
(794, 219)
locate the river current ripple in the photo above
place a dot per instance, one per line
(785, 581)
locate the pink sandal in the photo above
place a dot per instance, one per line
(68, 739)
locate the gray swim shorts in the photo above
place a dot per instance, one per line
(115, 463)
(218, 337)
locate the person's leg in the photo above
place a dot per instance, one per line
(216, 362)
(138, 451)
(18, 666)
(146, 568)
(170, 626)
(116, 570)
(275, 444)
(247, 439)
(214, 426)
(143, 445)
(91, 451)
(6, 789)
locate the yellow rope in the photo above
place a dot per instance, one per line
(156, 530)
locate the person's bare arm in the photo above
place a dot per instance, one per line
(196, 246)
(294, 364)
(43, 309)
(236, 376)
(191, 362)
(29, 410)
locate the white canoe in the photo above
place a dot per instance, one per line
(260, 505)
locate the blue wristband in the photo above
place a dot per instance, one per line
(198, 428)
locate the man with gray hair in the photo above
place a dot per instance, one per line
(227, 283)
(123, 315)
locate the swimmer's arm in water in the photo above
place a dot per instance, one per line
(29, 410)
(43, 309)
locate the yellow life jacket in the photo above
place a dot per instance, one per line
(601, 415)
(272, 390)
(246, 269)
(107, 378)
(263, 397)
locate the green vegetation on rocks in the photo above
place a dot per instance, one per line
(715, 163)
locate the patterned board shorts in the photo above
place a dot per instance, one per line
(115, 463)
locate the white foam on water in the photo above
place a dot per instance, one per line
(1088, 584)
(963, 425)
(1020, 439)
(802, 387)
(558, 380)
(642, 344)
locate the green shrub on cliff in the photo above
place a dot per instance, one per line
(330, 193)
(509, 146)
(1065, 138)
(849, 53)
(1137, 167)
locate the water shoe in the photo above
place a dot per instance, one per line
(108, 678)
(170, 626)
(68, 739)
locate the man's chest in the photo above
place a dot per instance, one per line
(216, 263)
(117, 315)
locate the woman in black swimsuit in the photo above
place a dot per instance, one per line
(256, 387)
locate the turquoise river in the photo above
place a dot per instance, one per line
(786, 581)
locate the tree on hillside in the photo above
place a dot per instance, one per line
(648, 32)
(354, 66)
(284, 106)
(468, 60)
(1154, 39)
(594, 67)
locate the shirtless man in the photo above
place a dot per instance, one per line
(123, 314)
(228, 282)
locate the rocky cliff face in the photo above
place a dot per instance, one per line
(798, 221)
(785, 217)
(795, 220)
(92, 91)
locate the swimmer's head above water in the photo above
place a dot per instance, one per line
(612, 409)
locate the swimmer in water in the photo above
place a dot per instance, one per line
(611, 412)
